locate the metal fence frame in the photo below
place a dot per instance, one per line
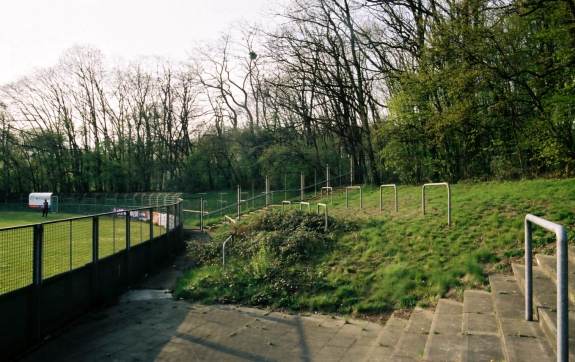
(562, 280)
(37, 308)
(448, 198)
(360, 195)
(381, 195)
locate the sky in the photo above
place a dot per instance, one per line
(35, 33)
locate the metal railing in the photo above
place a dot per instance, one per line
(347, 188)
(285, 202)
(35, 252)
(238, 205)
(448, 198)
(301, 203)
(562, 281)
(57, 270)
(381, 187)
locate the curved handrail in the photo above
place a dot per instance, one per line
(381, 195)
(562, 281)
(448, 198)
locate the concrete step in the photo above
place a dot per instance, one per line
(545, 304)
(411, 344)
(522, 340)
(481, 339)
(444, 342)
(387, 340)
(544, 289)
(548, 265)
(548, 321)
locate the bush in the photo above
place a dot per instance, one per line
(272, 260)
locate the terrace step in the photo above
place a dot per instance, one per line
(411, 344)
(545, 305)
(387, 340)
(445, 341)
(548, 265)
(481, 339)
(522, 340)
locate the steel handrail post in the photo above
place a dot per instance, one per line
(562, 280)
(381, 195)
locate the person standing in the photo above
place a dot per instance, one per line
(45, 209)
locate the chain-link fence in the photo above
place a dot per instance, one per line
(91, 203)
(204, 209)
(52, 248)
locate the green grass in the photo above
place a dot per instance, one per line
(67, 245)
(16, 218)
(393, 260)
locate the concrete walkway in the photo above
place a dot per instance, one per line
(149, 325)
(146, 326)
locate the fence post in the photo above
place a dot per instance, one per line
(95, 257)
(285, 186)
(170, 209)
(151, 228)
(302, 184)
(267, 190)
(202, 213)
(239, 201)
(34, 306)
(350, 170)
(327, 174)
(128, 246)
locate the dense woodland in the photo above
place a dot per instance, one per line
(409, 90)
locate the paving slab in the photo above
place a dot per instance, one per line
(544, 289)
(522, 340)
(482, 348)
(481, 338)
(411, 344)
(387, 340)
(142, 329)
(548, 265)
(445, 340)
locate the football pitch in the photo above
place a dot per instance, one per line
(67, 244)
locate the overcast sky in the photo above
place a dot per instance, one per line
(34, 33)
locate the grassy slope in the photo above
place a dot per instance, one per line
(398, 260)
